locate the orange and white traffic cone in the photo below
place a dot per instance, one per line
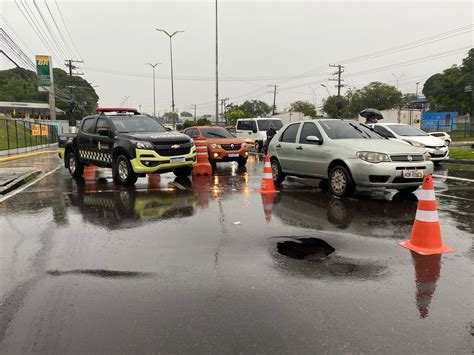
(202, 167)
(268, 187)
(89, 172)
(425, 236)
(154, 181)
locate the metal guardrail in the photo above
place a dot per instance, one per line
(22, 135)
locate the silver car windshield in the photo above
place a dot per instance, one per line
(337, 129)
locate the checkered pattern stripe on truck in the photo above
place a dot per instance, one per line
(104, 157)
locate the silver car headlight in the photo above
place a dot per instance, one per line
(373, 157)
(416, 144)
(144, 145)
(426, 156)
(214, 146)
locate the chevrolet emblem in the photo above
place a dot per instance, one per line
(175, 146)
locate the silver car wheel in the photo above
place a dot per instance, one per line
(72, 164)
(338, 181)
(123, 170)
(274, 171)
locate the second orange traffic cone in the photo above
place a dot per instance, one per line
(425, 236)
(268, 187)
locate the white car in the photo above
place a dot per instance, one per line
(442, 135)
(254, 130)
(437, 148)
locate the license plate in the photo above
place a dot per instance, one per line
(413, 174)
(177, 160)
(438, 152)
(233, 155)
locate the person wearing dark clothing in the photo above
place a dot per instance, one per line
(270, 134)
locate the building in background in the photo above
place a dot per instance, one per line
(27, 110)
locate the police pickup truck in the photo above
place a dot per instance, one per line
(130, 143)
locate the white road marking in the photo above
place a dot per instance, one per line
(28, 185)
(453, 178)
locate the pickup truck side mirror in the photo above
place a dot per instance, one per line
(313, 139)
(104, 132)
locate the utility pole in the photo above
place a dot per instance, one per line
(195, 117)
(339, 86)
(223, 108)
(69, 64)
(154, 95)
(274, 97)
(416, 92)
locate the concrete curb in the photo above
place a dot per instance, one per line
(20, 156)
(19, 181)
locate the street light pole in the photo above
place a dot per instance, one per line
(170, 35)
(154, 95)
(324, 86)
(416, 93)
(397, 78)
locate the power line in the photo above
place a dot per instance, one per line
(68, 48)
(67, 31)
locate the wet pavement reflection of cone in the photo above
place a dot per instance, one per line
(202, 167)
(267, 201)
(154, 180)
(202, 185)
(427, 272)
(268, 186)
(89, 172)
(425, 237)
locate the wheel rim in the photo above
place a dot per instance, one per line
(274, 171)
(338, 181)
(123, 170)
(72, 164)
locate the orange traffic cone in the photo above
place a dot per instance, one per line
(203, 167)
(425, 236)
(268, 187)
(427, 271)
(154, 181)
(89, 172)
(267, 201)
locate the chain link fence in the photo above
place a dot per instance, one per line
(17, 136)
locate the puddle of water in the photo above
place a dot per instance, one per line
(312, 249)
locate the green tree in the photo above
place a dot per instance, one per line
(186, 114)
(305, 107)
(408, 99)
(330, 107)
(445, 91)
(234, 115)
(255, 108)
(170, 117)
(377, 95)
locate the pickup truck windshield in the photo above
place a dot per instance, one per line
(264, 125)
(337, 129)
(126, 124)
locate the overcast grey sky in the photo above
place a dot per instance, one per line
(287, 43)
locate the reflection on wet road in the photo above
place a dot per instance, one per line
(208, 264)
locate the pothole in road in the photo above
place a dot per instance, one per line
(312, 249)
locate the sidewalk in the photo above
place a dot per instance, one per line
(20, 169)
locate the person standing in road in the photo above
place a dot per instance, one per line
(270, 134)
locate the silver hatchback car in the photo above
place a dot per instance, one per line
(346, 154)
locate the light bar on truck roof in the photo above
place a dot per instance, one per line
(117, 109)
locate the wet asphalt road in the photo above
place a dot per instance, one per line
(208, 265)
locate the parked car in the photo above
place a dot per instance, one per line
(131, 144)
(437, 148)
(442, 135)
(221, 144)
(346, 154)
(254, 130)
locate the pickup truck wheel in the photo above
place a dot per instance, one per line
(340, 182)
(183, 172)
(123, 172)
(408, 189)
(75, 167)
(277, 174)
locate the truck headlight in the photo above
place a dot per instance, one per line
(426, 156)
(373, 157)
(144, 145)
(214, 146)
(416, 144)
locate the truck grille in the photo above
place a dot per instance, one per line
(172, 151)
(230, 146)
(405, 157)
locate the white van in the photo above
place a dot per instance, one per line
(254, 130)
